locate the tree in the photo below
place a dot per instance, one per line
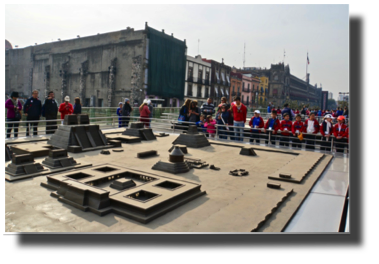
(332, 104)
(342, 104)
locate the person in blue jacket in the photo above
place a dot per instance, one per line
(119, 113)
(32, 110)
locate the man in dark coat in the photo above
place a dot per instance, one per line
(50, 112)
(32, 110)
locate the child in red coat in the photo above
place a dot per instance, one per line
(210, 124)
(272, 126)
(285, 128)
(297, 129)
(65, 108)
(340, 134)
(256, 122)
(311, 128)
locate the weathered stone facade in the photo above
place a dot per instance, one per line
(101, 70)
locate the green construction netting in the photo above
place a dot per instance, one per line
(166, 66)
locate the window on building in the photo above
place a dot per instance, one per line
(217, 77)
(200, 74)
(207, 75)
(216, 91)
(253, 86)
(242, 98)
(86, 102)
(190, 72)
(222, 91)
(247, 99)
(233, 89)
(266, 80)
(243, 86)
(189, 90)
(248, 86)
(100, 102)
(206, 95)
(198, 91)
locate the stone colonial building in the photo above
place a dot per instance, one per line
(220, 81)
(198, 79)
(103, 69)
(283, 86)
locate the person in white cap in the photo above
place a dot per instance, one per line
(126, 111)
(144, 113)
(66, 108)
(326, 131)
(256, 123)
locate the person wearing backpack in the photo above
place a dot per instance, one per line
(13, 106)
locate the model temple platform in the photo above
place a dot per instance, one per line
(192, 138)
(108, 188)
(176, 163)
(78, 138)
(137, 129)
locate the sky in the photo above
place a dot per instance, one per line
(223, 30)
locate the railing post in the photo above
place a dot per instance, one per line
(173, 125)
(216, 131)
(331, 145)
(269, 138)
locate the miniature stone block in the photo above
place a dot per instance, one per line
(83, 119)
(122, 184)
(248, 151)
(105, 152)
(8, 153)
(137, 125)
(21, 159)
(115, 143)
(74, 149)
(57, 153)
(146, 154)
(70, 120)
(285, 175)
(273, 185)
(176, 155)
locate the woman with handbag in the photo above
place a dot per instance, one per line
(14, 107)
(184, 112)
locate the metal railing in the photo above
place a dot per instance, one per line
(219, 132)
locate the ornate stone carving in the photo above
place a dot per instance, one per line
(82, 87)
(111, 82)
(63, 73)
(136, 79)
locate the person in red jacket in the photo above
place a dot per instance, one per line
(272, 126)
(255, 123)
(144, 113)
(310, 129)
(285, 128)
(239, 111)
(340, 134)
(65, 108)
(297, 128)
(326, 131)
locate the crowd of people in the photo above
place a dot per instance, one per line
(33, 109)
(230, 120)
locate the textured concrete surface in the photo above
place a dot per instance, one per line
(232, 204)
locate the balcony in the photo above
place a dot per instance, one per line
(190, 79)
(206, 82)
(246, 90)
(234, 93)
(199, 81)
(238, 94)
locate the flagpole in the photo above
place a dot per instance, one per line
(306, 71)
